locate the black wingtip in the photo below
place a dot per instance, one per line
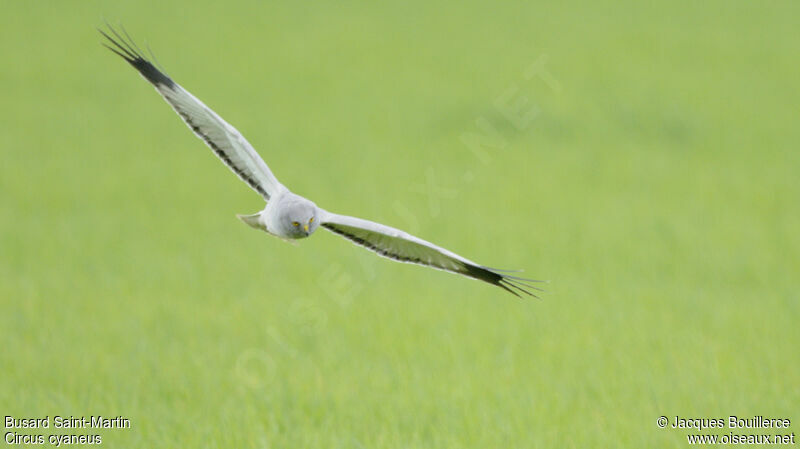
(517, 286)
(126, 48)
(504, 287)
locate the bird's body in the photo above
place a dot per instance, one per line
(282, 212)
(290, 216)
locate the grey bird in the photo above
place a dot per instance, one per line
(290, 216)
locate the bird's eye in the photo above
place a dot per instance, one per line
(294, 223)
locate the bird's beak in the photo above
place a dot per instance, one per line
(305, 227)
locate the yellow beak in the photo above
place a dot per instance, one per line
(305, 227)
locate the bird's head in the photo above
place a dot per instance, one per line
(300, 219)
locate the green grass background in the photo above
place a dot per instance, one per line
(657, 188)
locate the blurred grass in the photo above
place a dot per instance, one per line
(657, 189)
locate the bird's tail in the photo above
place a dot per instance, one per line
(253, 220)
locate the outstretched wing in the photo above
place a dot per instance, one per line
(227, 143)
(403, 247)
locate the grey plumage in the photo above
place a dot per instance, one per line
(288, 215)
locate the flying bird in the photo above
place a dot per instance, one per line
(287, 215)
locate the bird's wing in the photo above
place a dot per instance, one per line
(403, 247)
(227, 143)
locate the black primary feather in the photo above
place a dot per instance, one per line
(127, 49)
